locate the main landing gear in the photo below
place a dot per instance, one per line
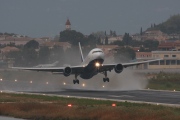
(106, 78)
(76, 80)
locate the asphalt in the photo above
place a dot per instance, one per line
(9, 118)
(144, 96)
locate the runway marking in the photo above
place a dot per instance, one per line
(120, 96)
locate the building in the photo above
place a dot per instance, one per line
(155, 35)
(15, 40)
(4, 60)
(170, 59)
(136, 37)
(113, 39)
(51, 45)
(169, 46)
(8, 49)
(68, 25)
(151, 35)
(22, 40)
(143, 55)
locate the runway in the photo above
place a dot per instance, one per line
(57, 88)
(139, 96)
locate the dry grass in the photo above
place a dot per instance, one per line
(55, 108)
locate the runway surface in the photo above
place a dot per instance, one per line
(145, 96)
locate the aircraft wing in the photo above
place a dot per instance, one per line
(107, 67)
(79, 69)
(138, 63)
(75, 69)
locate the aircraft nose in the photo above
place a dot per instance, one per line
(99, 56)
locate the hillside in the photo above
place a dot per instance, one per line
(171, 26)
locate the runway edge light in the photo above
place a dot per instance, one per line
(69, 105)
(113, 105)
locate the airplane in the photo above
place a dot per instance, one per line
(91, 66)
(47, 65)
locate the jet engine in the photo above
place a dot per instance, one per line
(118, 68)
(67, 71)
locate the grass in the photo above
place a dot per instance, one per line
(39, 107)
(165, 81)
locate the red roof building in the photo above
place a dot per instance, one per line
(169, 46)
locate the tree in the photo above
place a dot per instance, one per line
(141, 32)
(124, 54)
(72, 37)
(120, 43)
(17, 56)
(32, 44)
(99, 41)
(127, 39)
(171, 26)
(111, 33)
(114, 34)
(99, 34)
(151, 44)
(106, 40)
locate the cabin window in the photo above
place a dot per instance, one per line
(96, 51)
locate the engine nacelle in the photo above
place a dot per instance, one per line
(118, 68)
(67, 71)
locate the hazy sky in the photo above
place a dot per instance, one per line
(37, 18)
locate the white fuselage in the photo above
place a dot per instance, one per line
(94, 59)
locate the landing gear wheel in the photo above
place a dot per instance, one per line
(106, 79)
(74, 81)
(77, 81)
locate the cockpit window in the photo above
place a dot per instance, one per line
(96, 51)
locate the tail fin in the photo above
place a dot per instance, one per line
(82, 58)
